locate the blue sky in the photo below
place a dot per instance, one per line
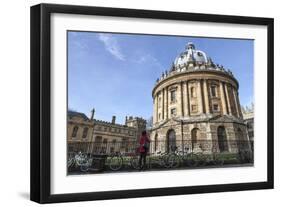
(115, 73)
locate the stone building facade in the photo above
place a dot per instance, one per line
(96, 136)
(248, 116)
(196, 106)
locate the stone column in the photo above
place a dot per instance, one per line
(200, 97)
(222, 96)
(154, 110)
(184, 98)
(206, 97)
(227, 99)
(188, 102)
(163, 106)
(239, 106)
(181, 100)
(156, 107)
(167, 103)
(235, 102)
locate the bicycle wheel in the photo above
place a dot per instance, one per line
(134, 161)
(173, 161)
(115, 163)
(70, 162)
(84, 167)
(163, 160)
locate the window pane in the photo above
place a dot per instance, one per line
(85, 132)
(173, 95)
(213, 91)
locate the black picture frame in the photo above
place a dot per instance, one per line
(41, 99)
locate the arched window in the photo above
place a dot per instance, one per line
(75, 130)
(214, 91)
(159, 102)
(222, 139)
(171, 140)
(85, 132)
(194, 137)
(173, 95)
(192, 92)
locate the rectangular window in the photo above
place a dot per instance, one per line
(194, 108)
(173, 112)
(173, 96)
(216, 107)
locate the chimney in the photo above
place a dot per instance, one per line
(113, 119)
(126, 120)
(93, 114)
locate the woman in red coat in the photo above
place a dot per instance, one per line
(143, 149)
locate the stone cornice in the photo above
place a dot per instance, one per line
(192, 72)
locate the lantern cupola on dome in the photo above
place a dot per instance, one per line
(190, 56)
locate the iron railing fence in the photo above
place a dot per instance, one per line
(100, 156)
(188, 146)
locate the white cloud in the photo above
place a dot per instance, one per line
(148, 58)
(111, 45)
(80, 44)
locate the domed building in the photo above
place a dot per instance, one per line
(196, 106)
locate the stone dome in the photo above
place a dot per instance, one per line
(190, 55)
(192, 60)
(197, 100)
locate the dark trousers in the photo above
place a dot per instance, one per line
(142, 160)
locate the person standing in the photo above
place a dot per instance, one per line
(143, 149)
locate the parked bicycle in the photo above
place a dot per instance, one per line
(79, 160)
(162, 159)
(183, 157)
(85, 162)
(115, 161)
